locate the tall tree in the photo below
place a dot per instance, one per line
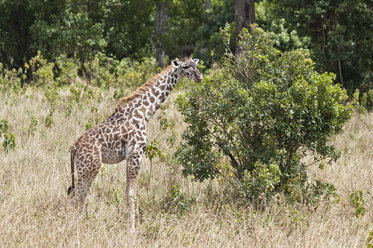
(244, 16)
(160, 26)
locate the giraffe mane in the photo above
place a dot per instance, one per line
(122, 101)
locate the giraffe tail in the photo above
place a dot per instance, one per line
(71, 188)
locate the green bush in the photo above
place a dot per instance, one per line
(105, 72)
(358, 201)
(261, 181)
(362, 102)
(9, 140)
(39, 71)
(11, 80)
(101, 71)
(260, 115)
(132, 74)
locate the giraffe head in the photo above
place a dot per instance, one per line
(188, 66)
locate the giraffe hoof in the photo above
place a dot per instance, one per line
(70, 192)
(70, 189)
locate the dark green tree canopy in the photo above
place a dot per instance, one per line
(337, 33)
(340, 33)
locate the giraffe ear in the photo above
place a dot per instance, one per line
(196, 61)
(175, 63)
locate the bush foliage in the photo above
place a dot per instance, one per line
(9, 141)
(252, 122)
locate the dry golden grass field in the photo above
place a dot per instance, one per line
(173, 211)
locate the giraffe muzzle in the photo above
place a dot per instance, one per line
(199, 78)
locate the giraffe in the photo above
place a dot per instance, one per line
(123, 134)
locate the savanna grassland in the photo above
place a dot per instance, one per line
(173, 211)
(258, 131)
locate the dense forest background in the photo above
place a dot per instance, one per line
(337, 33)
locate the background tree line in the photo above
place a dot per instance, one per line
(337, 33)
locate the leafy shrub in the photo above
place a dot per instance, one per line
(261, 181)
(358, 201)
(369, 240)
(132, 74)
(177, 201)
(262, 112)
(11, 80)
(102, 70)
(362, 102)
(39, 70)
(31, 129)
(52, 96)
(67, 70)
(9, 140)
(105, 72)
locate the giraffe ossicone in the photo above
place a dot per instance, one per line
(123, 134)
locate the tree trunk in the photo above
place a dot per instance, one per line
(244, 16)
(207, 5)
(160, 22)
(335, 19)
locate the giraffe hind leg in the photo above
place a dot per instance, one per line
(86, 173)
(72, 157)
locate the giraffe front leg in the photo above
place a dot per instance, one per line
(133, 167)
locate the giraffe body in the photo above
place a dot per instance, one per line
(123, 135)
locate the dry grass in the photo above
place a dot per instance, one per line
(34, 178)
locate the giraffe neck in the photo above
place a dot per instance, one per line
(147, 99)
(159, 91)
